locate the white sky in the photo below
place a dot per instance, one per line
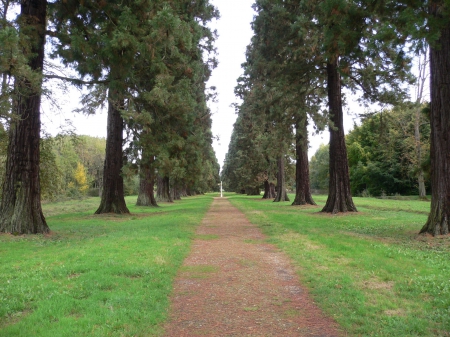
(234, 35)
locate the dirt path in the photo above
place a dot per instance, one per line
(234, 284)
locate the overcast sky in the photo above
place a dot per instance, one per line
(234, 35)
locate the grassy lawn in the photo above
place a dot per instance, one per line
(111, 275)
(96, 275)
(369, 270)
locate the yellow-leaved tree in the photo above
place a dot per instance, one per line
(81, 178)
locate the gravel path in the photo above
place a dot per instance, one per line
(234, 284)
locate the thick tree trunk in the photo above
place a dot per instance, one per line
(339, 195)
(20, 208)
(439, 219)
(281, 184)
(269, 190)
(163, 190)
(113, 200)
(146, 195)
(303, 188)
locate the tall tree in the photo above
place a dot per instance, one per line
(361, 50)
(20, 207)
(438, 222)
(339, 194)
(281, 181)
(281, 72)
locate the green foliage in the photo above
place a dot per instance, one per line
(157, 56)
(64, 158)
(382, 152)
(319, 168)
(52, 183)
(96, 275)
(366, 270)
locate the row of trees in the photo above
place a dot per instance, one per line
(147, 60)
(301, 56)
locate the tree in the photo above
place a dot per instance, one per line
(438, 222)
(382, 152)
(81, 178)
(339, 194)
(147, 176)
(281, 181)
(20, 207)
(360, 50)
(302, 181)
(282, 83)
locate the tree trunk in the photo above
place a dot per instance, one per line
(113, 200)
(269, 190)
(439, 219)
(163, 190)
(189, 192)
(176, 191)
(420, 176)
(339, 195)
(303, 188)
(20, 208)
(281, 184)
(146, 195)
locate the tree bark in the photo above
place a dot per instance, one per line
(269, 190)
(163, 189)
(438, 220)
(303, 188)
(146, 195)
(20, 207)
(420, 176)
(281, 184)
(339, 195)
(113, 200)
(176, 191)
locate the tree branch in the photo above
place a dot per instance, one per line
(75, 80)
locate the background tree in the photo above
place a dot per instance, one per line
(319, 165)
(382, 153)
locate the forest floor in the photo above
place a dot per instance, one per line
(234, 283)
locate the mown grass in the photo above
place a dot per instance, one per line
(369, 270)
(95, 275)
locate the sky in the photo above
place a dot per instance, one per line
(235, 33)
(234, 29)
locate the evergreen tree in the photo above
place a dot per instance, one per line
(20, 207)
(438, 222)
(283, 80)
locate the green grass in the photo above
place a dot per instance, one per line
(111, 275)
(106, 275)
(369, 270)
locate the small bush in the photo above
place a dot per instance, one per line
(365, 193)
